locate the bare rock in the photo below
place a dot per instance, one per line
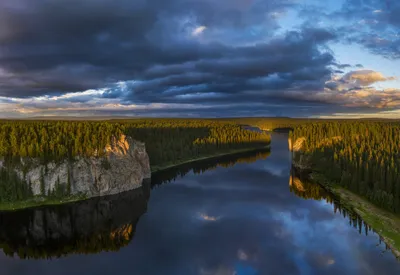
(123, 167)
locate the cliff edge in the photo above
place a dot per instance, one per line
(122, 167)
(300, 160)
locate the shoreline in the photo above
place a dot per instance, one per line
(39, 202)
(383, 222)
(33, 203)
(157, 169)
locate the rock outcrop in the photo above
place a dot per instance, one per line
(297, 145)
(123, 167)
(300, 160)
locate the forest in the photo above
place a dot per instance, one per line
(272, 123)
(168, 142)
(361, 156)
(286, 123)
(191, 139)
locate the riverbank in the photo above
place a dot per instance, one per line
(39, 201)
(230, 152)
(45, 201)
(384, 223)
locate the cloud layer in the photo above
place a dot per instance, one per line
(184, 57)
(355, 89)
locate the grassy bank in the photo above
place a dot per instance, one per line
(158, 168)
(385, 223)
(39, 201)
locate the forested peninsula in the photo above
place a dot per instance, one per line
(47, 162)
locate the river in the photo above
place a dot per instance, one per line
(244, 215)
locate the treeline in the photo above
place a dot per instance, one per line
(12, 187)
(54, 140)
(360, 156)
(272, 123)
(173, 141)
(46, 141)
(168, 142)
(276, 123)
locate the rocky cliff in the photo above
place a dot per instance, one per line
(299, 159)
(302, 159)
(123, 167)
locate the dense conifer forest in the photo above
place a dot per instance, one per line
(168, 142)
(277, 123)
(172, 141)
(54, 140)
(360, 156)
(273, 123)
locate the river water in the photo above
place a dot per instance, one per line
(244, 215)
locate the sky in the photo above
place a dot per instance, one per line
(200, 58)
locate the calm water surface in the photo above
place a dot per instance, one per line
(240, 215)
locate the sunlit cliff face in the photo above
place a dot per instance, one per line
(199, 58)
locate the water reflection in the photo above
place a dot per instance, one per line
(91, 226)
(95, 225)
(199, 167)
(242, 220)
(308, 190)
(303, 188)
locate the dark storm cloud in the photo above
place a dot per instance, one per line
(182, 57)
(260, 70)
(53, 47)
(117, 39)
